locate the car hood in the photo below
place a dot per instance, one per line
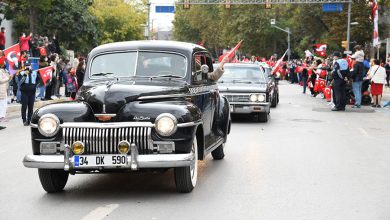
(110, 97)
(242, 87)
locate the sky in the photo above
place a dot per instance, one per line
(161, 21)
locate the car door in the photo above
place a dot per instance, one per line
(204, 93)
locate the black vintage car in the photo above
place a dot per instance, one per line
(248, 90)
(143, 105)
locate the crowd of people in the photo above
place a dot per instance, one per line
(350, 78)
(26, 85)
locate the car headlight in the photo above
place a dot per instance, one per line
(48, 125)
(261, 98)
(253, 98)
(166, 124)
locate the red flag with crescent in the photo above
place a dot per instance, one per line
(13, 55)
(230, 53)
(46, 74)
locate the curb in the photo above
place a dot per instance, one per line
(14, 109)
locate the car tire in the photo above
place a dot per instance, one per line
(263, 117)
(218, 153)
(53, 181)
(274, 101)
(277, 98)
(186, 177)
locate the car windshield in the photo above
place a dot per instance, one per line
(141, 64)
(243, 74)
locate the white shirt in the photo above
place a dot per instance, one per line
(377, 74)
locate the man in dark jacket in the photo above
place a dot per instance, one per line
(340, 72)
(356, 76)
(28, 88)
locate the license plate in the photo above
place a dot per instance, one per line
(100, 160)
(231, 108)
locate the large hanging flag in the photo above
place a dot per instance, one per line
(46, 74)
(375, 18)
(13, 54)
(230, 53)
(320, 49)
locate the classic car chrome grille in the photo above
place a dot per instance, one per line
(106, 140)
(237, 98)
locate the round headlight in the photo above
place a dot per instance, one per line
(253, 98)
(123, 147)
(166, 124)
(261, 98)
(48, 125)
(78, 147)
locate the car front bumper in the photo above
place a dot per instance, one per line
(134, 161)
(249, 107)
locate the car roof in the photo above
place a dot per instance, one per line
(157, 45)
(242, 65)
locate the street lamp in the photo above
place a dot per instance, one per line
(287, 30)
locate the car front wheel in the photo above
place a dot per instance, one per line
(53, 181)
(186, 177)
(263, 116)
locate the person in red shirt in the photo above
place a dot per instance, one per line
(24, 42)
(2, 38)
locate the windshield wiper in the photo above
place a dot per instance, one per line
(167, 76)
(241, 81)
(102, 74)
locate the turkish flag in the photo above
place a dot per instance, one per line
(328, 93)
(320, 49)
(321, 85)
(230, 53)
(13, 55)
(46, 74)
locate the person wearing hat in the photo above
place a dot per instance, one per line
(4, 79)
(340, 72)
(29, 80)
(357, 75)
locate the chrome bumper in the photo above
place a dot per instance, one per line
(134, 161)
(249, 107)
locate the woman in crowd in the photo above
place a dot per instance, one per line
(312, 78)
(377, 74)
(51, 85)
(80, 72)
(4, 79)
(71, 83)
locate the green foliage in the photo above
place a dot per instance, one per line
(118, 20)
(221, 28)
(79, 25)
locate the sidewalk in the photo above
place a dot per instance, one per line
(386, 95)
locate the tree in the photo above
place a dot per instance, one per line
(118, 21)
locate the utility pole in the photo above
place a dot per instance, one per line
(287, 30)
(349, 26)
(148, 22)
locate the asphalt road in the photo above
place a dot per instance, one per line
(306, 163)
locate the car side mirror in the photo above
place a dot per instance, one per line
(204, 68)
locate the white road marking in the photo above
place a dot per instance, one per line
(364, 132)
(100, 212)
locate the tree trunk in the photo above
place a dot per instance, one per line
(33, 19)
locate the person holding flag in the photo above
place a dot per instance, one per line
(28, 86)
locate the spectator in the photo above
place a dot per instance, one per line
(76, 61)
(387, 67)
(357, 76)
(51, 85)
(71, 82)
(80, 72)
(377, 75)
(42, 63)
(304, 76)
(24, 42)
(4, 79)
(28, 85)
(64, 75)
(2, 38)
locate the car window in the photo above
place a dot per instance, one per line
(159, 63)
(147, 64)
(243, 73)
(114, 64)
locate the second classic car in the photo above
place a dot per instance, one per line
(246, 87)
(143, 105)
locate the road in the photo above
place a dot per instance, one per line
(306, 163)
